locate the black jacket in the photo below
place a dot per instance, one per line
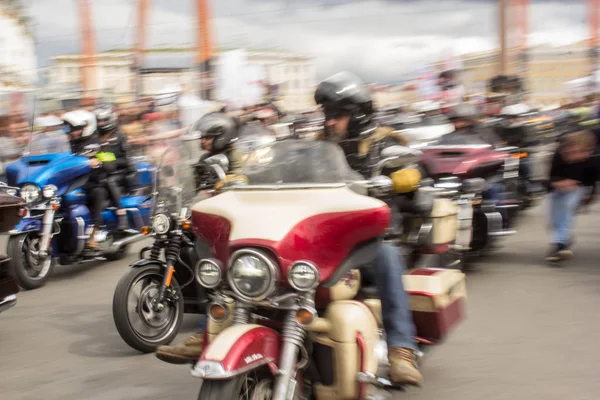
(585, 172)
(116, 143)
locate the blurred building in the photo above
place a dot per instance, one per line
(18, 61)
(168, 68)
(547, 71)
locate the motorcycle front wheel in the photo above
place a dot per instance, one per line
(27, 267)
(254, 385)
(138, 322)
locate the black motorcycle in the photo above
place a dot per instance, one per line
(151, 298)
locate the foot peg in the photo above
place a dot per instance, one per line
(377, 386)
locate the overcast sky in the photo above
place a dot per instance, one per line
(381, 40)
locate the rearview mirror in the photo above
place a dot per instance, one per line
(396, 157)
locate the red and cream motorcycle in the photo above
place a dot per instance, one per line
(288, 318)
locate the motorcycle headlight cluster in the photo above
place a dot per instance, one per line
(252, 274)
(303, 276)
(30, 193)
(49, 191)
(161, 224)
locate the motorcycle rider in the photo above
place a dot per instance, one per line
(80, 125)
(114, 156)
(349, 121)
(218, 132)
(464, 119)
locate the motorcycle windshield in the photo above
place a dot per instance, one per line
(253, 135)
(298, 162)
(174, 189)
(52, 142)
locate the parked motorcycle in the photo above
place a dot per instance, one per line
(58, 222)
(11, 210)
(458, 158)
(151, 298)
(285, 321)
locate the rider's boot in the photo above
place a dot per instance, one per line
(92, 243)
(403, 367)
(187, 352)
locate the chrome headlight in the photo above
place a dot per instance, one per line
(208, 273)
(303, 276)
(30, 193)
(252, 274)
(161, 224)
(49, 191)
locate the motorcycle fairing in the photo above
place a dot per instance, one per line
(236, 350)
(59, 169)
(318, 225)
(458, 160)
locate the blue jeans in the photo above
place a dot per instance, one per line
(563, 207)
(388, 269)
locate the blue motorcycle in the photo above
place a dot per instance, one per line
(58, 223)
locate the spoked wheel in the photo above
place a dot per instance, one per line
(30, 270)
(143, 324)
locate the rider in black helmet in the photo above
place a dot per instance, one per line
(115, 148)
(218, 132)
(464, 118)
(349, 112)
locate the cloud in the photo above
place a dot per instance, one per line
(378, 39)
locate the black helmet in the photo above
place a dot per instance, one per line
(345, 93)
(463, 111)
(222, 127)
(106, 118)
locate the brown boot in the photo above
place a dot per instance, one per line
(403, 367)
(185, 353)
(92, 243)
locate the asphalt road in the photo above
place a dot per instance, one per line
(532, 333)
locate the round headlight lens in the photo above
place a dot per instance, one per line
(30, 193)
(208, 273)
(49, 191)
(303, 276)
(161, 224)
(252, 275)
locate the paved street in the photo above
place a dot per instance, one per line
(532, 333)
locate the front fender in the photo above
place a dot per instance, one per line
(237, 350)
(27, 225)
(144, 262)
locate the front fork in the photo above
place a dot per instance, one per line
(292, 338)
(171, 255)
(48, 224)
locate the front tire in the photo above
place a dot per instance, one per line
(140, 326)
(26, 267)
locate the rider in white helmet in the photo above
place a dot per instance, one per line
(81, 126)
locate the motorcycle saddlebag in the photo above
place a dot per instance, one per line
(444, 219)
(437, 300)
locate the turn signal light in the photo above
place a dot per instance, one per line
(217, 312)
(145, 230)
(305, 316)
(55, 207)
(186, 224)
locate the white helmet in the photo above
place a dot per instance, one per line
(79, 119)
